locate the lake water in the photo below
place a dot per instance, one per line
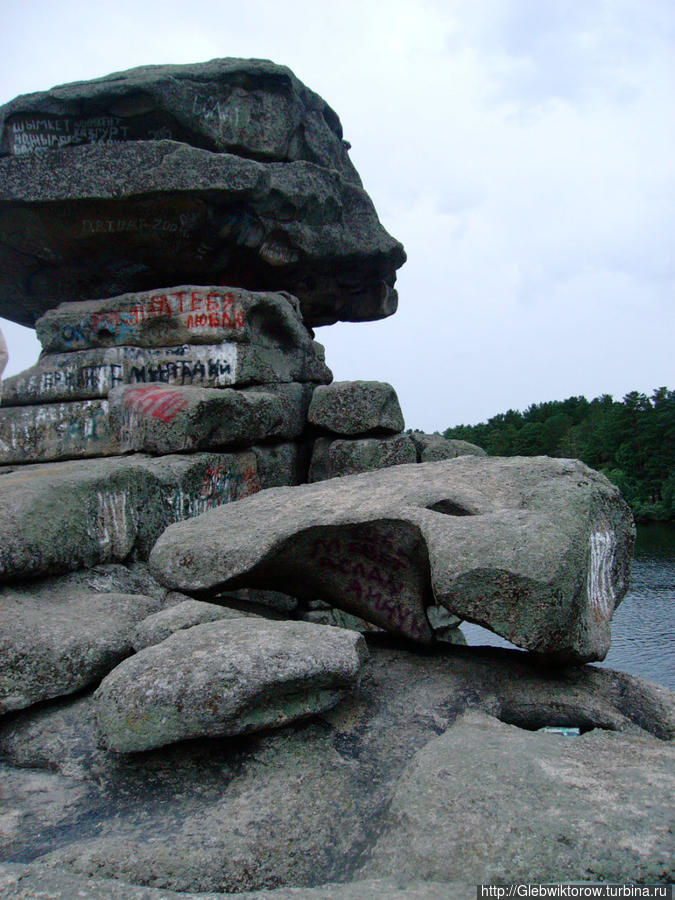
(643, 627)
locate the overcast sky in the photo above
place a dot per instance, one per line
(522, 151)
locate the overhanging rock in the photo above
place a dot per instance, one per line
(96, 221)
(250, 107)
(63, 516)
(537, 550)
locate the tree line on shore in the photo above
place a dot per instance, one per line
(631, 441)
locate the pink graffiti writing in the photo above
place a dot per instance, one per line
(161, 403)
(203, 309)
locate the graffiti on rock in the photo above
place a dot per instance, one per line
(374, 575)
(160, 403)
(222, 483)
(197, 310)
(602, 598)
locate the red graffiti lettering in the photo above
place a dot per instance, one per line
(161, 403)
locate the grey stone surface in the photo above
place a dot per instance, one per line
(304, 805)
(264, 323)
(536, 549)
(101, 220)
(51, 646)
(487, 802)
(158, 626)
(335, 458)
(90, 374)
(282, 464)
(226, 677)
(162, 418)
(356, 407)
(432, 447)
(56, 431)
(28, 882)
(63, 516)
(339, 619)
(251, 107)
(275, 603)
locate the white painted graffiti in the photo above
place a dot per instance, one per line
(599, 585)
(114, 535)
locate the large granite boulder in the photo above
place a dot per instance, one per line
(186, 613)
(63, 516)
(250, 107)
(54, 643)
(335, 458)
(187, 314)
(536, 549)
(226, 677)
(56, 431)
(432, 447)
(98, 221)
(308, 804)
(490, 803)
(162, 418)
(356, 408)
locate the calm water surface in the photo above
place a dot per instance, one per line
(643, 627)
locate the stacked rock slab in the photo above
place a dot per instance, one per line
(230, 181)
(359, 425)
(183, 369)
(161, 174)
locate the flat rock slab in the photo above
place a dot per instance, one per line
(187, 314)
(56, 431)
(102, 220)
(432, 447)
(161, 418)
(356, 407)
(26, 882)
(536, 549)
(251, 107)
(226, 677)
(54, 646)
(304, 805)
(63, 516)
(91, 374)
(335, 458)
(158, 626)
(490, 803)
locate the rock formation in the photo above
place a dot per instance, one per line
(152, 177)
(199, 723)
(536, 549)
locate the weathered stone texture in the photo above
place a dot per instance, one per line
(494, 804)
(538, 550)
(59, 517)
(56, 431)
(160, 418)
(335, 458)
(177, 215)
(226, 677)
(26, 882)
(356, 407)
(54, 646)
